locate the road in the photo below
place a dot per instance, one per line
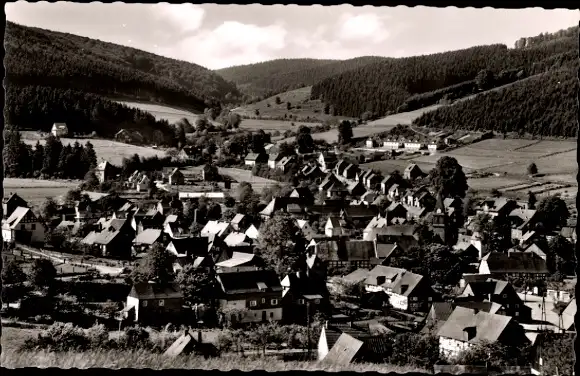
(103, 269)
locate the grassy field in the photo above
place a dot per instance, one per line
(112, 151)
(238, 175)
(373, 127)
(36, 191)
(299, 97)
(162, 112)
(273, 125)
(145, 359)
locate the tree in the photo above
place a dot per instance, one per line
(156, 266)
(494, 354)
(448, 178)
(345, 133)
(532, 200)
(180, 135)
(288, 106)
(42, 273)
(484, 79)
(257, 112)
(49, 209)
(413, 349)
(91, 181)
(196, 284)
(532, 169)
(201, 124)
(304, 139)
(279, 242)
(278, 100)
(12, 273)
(553, 212)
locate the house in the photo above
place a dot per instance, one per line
(312, 172)
(328, 181)
(114, 240)
(252, 232)
(306, 228)
(497, 207)
(251, 295)
(175, 177)
(356, 189)
(350, 172)
(187, 153)
(387, 182)
(240, 222)
(395, 192)
(370, 143)
(303, 194)
(348, 349)
(357, 213)
(373, 181)
(285, 163)
(104, 171)
(406, 291)
(237, 239)
(414, 144)
(59, 130)
(273, 159)
(154, 303)
(145, 240)
(500, 292)
(23, 226)
(362, 176)
(188, 247)
(432, 146)
(393, 144)
(303, 294)
(216, 196)
(518, 264)
(466, 327)
(534, 248)
(255, 158)
(209, 172)
(569, 233)
(326, 161)
(10, 202)
(522, 221)
(143, 183)
(412, 172)
(333, 227)
(218, 228)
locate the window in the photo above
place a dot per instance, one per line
(145, 303)
(430, 299)
(274, 301)
(271, 315)
(161, 303)
(300, 301)
(507, 305)
(414, 298)
(317, 301)
(517, 305)
(33, 226)
(517, 313)
(253, 303)
(263, 300)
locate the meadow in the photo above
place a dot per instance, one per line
(13, 338)
(112, 151)
(35, 191)
(163, 112)
(239, 175)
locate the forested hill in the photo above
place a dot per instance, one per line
(53, 59)
(384, 86)
(276, 76)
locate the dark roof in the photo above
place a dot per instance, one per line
(515, 262)
(156, 291)
(358, 250)
(191, 245)
(359, 211)
(384, 250)
(247, 281)
(488, 326)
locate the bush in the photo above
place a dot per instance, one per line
(97, 335)
(59, 337)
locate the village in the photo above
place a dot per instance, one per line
(352, 259)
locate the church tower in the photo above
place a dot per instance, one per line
(440, 221)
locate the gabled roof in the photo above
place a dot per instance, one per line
(488, 326)
(215, 227)
(237, 259)
(236, 239)
(253, 156)
(249, 281)
(18, 215)
(189, 244)
(515, 262)
(12, 196)
(150, 291)
(103, 165)
(237, 218)
(400, 281)
(356, 250)
(411, 167)
(344, 350)
(358, 211)
(148, 236)
(252, 232)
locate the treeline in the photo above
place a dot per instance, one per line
(51, 160)
(277, 76)
(47, 58)
(36, 107)
(384, 86)
(547, 37)
(544, 105)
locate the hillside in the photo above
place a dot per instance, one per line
(384, 86)
(53, 59)
(277, 76)
(301, 107)
(544, 105)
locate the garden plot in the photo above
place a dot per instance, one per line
(502, 145)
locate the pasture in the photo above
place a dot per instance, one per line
(163, 112)
(35, 191)
(301, 106)
(112, 151)
(273, 125)
(384, 124)
(238, 175)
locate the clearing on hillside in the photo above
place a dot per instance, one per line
(112, 151)
(298, 98)
(273, 125)
(162, 112)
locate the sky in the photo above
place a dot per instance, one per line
(218, 36)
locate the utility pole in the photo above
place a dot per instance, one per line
(308, 325)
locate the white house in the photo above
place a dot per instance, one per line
(23, 226)
(307, 230)
(414, 145)
(333, 227)
(142, 184)
(392, 144)
(432, 146)
(59, 129)
(370, 143)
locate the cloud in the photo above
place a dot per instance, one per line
(187, 17)
(232, 43)
(362, 28)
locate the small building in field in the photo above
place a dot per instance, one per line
(154, 303)
(209, 172)
(175, 177)
(104, 171)
(412, 172)
(254, 158)
(371, 143)
(393, 144)
(59, 129)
